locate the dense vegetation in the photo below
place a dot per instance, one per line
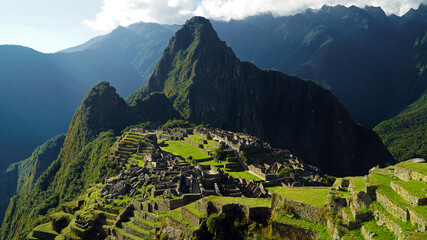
(20, 177)
(82, 161)
(405, 134)
(88, 166)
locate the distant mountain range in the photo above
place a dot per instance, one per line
(370, 61)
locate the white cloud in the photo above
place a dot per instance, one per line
(125, 12)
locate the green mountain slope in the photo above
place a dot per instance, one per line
(20, 177)
(207, 83)
(405, 134)
(83, 158)
(82, 161)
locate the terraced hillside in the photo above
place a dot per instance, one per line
(178, 184)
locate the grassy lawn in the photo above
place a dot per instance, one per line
(382, 232)
(184, 150)
(252, 202)
(319, 229)
(418, 167)
(359, 183)
(47, 228)
(316, 196)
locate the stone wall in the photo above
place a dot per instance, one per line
(392, 207)
(181, 228)
(195, 220)
(306, 211)
(417, 221)
(408, 174)
(382, 219)
(414, 200)
(287, 231)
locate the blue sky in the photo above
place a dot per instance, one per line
(52, 25)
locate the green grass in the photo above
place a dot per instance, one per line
(272, 189)
(355, 234)
(418, 167)
(124, 233)
(149, 223)
(192, 208)
(252, 202)
(241, 173)
(382, 232)
(316, 196)
(421, 210)
(177, 215)
(381, 179)
(404, 135)
(210, 162)
(319, 229)
(359, 183)
(184, 150)
(197, 137)
(47, 228)
(406, 226)
(416, 188)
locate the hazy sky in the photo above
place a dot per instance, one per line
(52, 25)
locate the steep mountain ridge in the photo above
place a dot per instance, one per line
(81, 161)
(37, 101)
(207, 83)
(330, 46)
(361, 55)
(49, 87)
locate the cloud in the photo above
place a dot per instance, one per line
(125, 12)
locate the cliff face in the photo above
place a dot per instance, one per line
(207, 83)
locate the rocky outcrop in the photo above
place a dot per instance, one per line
(207, 83)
